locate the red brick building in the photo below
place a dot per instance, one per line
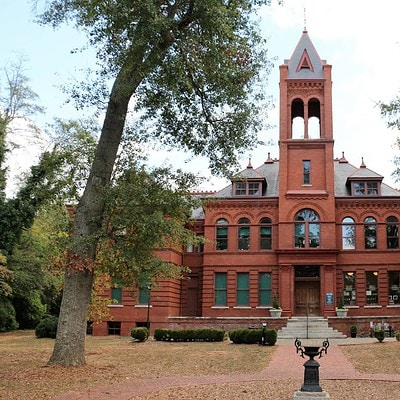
(307, 228)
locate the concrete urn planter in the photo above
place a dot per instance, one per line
(275, 312)
(341, 312)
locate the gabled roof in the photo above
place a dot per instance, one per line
(305, 62)
(342, 171)
(345, 172)
(269, 172)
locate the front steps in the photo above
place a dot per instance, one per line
(317, 329)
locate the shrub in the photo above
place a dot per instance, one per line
(379, 334)
(271, 336)
(141, 334)
(397, 335)
(353, 329)
(253, 336)
(47, 327)
(8, 320)
(189, 335)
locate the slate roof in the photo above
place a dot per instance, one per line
(304, 73)
(342, 171)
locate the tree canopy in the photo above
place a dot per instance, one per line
(193, 74)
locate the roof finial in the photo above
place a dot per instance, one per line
(305, 20)
(249, 165)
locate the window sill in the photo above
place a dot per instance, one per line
(373, 306)
(115, 305)
(220, 307)
(393, 306)
(242, 308)
(142, 306)
(354, 307)
(263, 307)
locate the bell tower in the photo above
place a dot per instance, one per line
(307, 223)
(306, 167)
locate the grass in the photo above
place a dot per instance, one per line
(25, 374)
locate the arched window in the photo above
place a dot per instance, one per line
(314, 128)
(314, 119)
(243, 234)
(348, 233)
(265, 234)
(370, 233)
(222, 234)
(297, 118)
(298, 128)
(392, 233)
(306, 229)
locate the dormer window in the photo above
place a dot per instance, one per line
(247, 188)
(367, 188)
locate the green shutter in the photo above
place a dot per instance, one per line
(220, 289)
(265, 289)
(116, 295)
(242, 298)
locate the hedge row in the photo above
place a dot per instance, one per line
(141, 334)
(189, 335)
(253, 336)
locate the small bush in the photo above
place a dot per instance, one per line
(8, 321)
(253, 336)
(397, 335)
(189, 335)
(379, 334)
(271, 336)
(141, 334)
(47, 327)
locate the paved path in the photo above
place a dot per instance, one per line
(285, 364)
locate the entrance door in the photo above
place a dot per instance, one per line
(193, 308)
(307, 297)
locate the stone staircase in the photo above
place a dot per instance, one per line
(317, 329)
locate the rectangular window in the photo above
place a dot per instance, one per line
(222, 238)
(371, 292)
(306, 172)
(220, 295)
(144, 295)
(394, 287)
(264, 289)
(242, 289)
(358, 189)
(116, 295)
(349, 293)
(372, 188)
(265, 237)
(114, 327)
(254, 189)
(240, 188)
(365, 188)
(244, 238)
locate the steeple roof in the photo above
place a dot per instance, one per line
(305, 62)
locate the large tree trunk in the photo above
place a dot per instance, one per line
(69, 348)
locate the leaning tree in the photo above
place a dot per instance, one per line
(192, 71)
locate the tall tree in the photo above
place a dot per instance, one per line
(192, 69)
(391, 112)
(17, 102)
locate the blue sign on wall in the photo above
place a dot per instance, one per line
(329, 300)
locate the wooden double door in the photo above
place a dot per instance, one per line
(307, 297)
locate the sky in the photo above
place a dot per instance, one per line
(359, 38)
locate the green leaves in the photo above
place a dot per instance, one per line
(146, 211)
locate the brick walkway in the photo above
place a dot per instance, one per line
(285, 364)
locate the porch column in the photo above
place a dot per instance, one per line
(328, 289)
(286, 289)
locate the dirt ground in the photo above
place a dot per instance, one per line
(25, 374)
